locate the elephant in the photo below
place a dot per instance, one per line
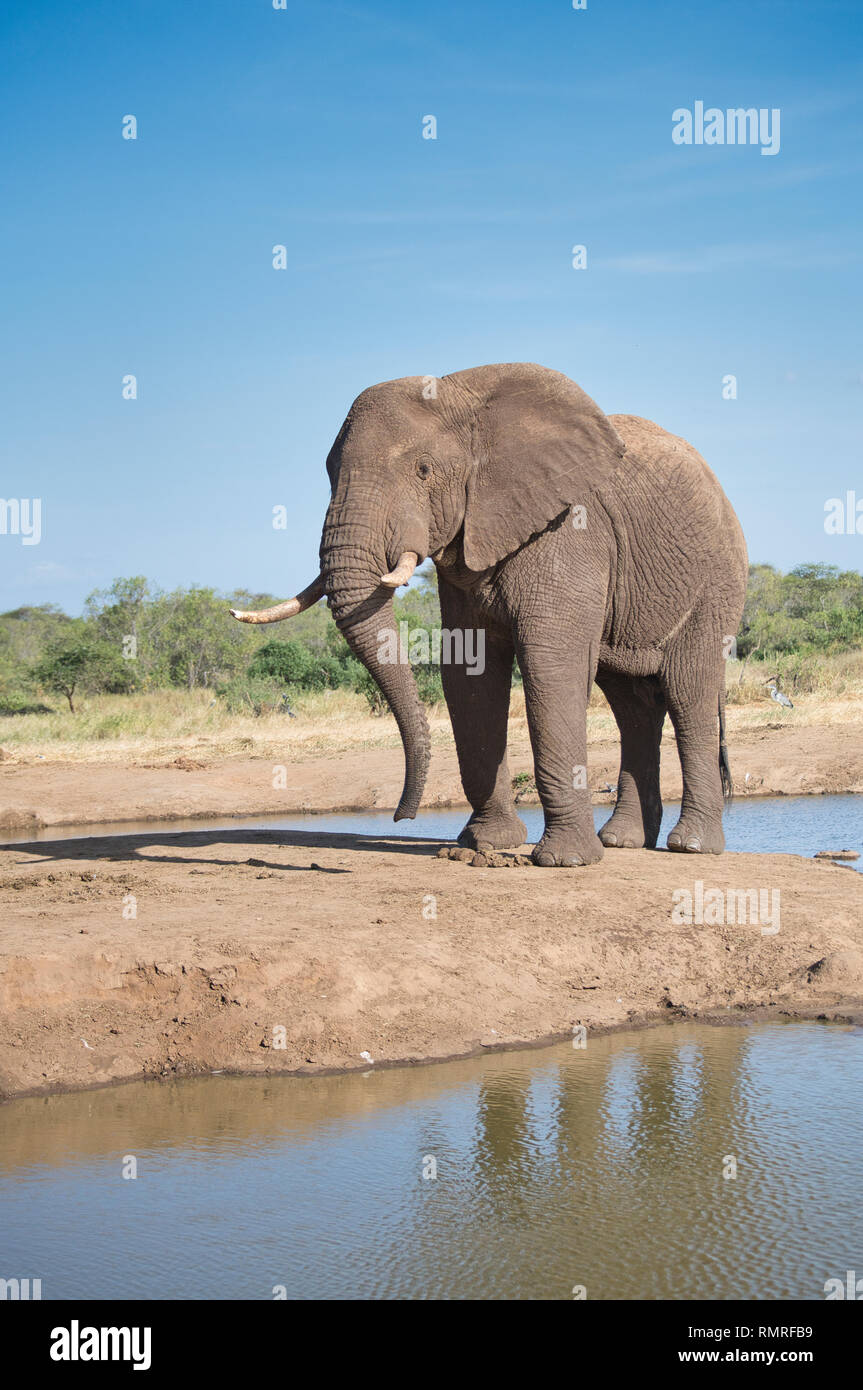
(590, 548)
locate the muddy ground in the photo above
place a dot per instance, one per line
(156, 955)
(356, 945)
(771, 760)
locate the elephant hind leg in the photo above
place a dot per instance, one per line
(638, 706)
(692, 681)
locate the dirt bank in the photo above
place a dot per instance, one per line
(767, 760)
(362, 947)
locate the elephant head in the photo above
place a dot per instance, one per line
(488, 457)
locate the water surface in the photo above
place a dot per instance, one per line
(766, 825)
(599, 1167)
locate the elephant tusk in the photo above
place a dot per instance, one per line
(289, 609)
(408, 561)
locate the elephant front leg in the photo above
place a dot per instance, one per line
(556, 690)
(477, 695)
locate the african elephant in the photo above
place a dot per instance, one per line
(589, 547)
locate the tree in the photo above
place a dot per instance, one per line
(195, 638)
(812, 608)
(77, 661)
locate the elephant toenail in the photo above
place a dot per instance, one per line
(609, 839)
(693, 844)
(545, 860)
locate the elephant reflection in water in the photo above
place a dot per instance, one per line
(626, 1102)
(606, 1157)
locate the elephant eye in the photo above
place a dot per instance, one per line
(423, 470)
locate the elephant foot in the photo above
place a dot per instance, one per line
(622, 832)
(484, 832)
(693, 838)
(566, 849)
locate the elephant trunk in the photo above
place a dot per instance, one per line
(363, 610)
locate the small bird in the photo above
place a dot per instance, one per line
(776, 694)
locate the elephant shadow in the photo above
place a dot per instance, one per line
(144, 848)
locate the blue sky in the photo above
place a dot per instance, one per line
(408, 256)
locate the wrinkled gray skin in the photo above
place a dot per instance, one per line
(643, 597)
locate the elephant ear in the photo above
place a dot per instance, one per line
(542, 445)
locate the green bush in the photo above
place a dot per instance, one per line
(378, 703)
(17, 702)
(257, 695)
(428, 682)
(291, 663)
(288, 663)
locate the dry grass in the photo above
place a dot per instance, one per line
(804, 678)
(164, 724)
(825, 691)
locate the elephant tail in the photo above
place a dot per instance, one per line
(724, 765)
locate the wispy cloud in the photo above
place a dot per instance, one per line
(800, 256)
(644, 185)
(380, 255)
(52, 573)
(386, 217)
